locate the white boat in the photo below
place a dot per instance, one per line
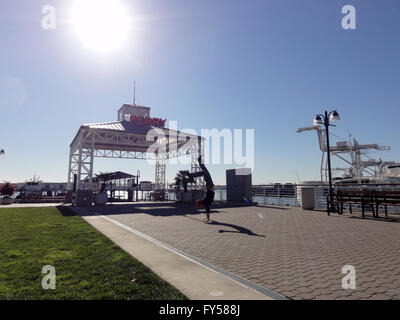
(33, 187)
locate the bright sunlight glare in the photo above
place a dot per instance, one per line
(102, 25)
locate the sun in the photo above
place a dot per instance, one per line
(102, 25)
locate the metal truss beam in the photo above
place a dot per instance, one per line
(90, 143)
(160, 174)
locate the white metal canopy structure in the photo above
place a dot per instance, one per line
(134, 136)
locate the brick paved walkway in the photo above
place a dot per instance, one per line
(299, 254)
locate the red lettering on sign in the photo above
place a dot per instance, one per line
(156, 122)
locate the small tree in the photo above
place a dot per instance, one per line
(7, 190)
(178, 182)
(183, 178)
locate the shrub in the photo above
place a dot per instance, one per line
(7, 189)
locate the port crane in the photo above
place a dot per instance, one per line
(353, 153)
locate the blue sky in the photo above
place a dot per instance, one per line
(261, 64)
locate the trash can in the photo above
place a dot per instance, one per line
(84, 198)
(307, 197)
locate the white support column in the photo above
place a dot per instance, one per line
(73, 164)
(91, 161)
(69, 169)
(78, 183)
(81, 160)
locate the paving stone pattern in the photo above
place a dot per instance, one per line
(296, 253)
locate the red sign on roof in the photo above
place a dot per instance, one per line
(143, 121)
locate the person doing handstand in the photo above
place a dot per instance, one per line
(209, 198)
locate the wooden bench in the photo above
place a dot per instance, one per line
(366, 197)
(383, 198)
(353, 197)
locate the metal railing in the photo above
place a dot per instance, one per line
(275, 194)
(290, 194)
(271, 194)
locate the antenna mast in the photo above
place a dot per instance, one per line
(134, 92)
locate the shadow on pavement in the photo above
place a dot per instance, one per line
(238, 228)
(234, 226)
(161, 209)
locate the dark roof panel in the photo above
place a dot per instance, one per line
(114, 176)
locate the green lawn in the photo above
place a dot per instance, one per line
(88, 265)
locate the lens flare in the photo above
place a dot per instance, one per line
(101, 25)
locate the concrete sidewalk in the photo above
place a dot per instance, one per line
(196, 279)
(31, 205)
(297, 253)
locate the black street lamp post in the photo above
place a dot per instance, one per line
(324, 119)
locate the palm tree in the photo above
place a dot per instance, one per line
(178, 182)
(183, 178)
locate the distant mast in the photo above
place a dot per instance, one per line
(134, 92)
